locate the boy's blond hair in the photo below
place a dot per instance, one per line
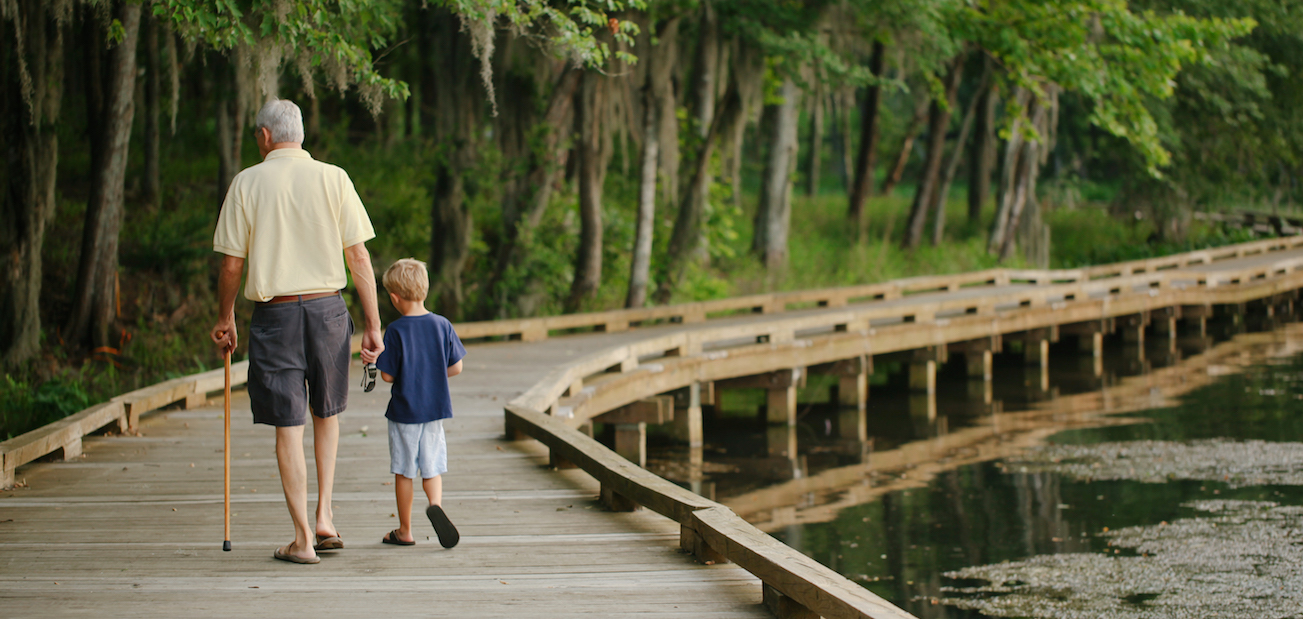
(408, 279)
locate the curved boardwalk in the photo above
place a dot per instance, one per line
(133, 527)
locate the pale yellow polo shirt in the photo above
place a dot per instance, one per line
(291, 217)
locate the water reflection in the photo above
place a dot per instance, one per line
(924, 491)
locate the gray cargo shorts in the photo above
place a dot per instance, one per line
(298, 360)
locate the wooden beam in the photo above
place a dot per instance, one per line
(854, 366)
(631, 442)
(688, 425)
(654, 410)
(778, 379)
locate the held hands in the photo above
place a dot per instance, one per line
(372, 345)
(225, 336)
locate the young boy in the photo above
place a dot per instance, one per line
(421, 353)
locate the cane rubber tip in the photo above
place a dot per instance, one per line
(226, 545)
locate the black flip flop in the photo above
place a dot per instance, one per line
(448, 536)
(392, 538)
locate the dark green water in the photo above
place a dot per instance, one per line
(901, 544)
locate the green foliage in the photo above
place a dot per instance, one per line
(1119, 58)
(1090, 236)
(317, 35)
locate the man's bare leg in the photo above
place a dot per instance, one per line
(434, 489)
(325, 443)
(294, 480)
(403, 493)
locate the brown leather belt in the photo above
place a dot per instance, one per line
(299, 297)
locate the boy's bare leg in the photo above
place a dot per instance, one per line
(325, 443)
(403, 492)
(433, 490)
(294, 480)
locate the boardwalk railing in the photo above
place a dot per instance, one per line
(905, 316)
(570, 395)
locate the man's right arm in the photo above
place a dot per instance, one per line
(228, 285)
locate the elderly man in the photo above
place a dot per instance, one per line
(295, 220)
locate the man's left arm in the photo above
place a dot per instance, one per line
(364, 277)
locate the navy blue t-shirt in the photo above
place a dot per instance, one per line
(418, 352)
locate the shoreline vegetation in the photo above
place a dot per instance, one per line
(547, 159)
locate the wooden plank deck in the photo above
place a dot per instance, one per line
(133, 527)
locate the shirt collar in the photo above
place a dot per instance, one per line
(294, 153)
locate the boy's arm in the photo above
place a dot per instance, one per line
(386, 377)
(454, 369)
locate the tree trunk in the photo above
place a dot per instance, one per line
(30, 146)
(640, 266)
(747, 79)
(865, 161)
(1012, 151)
(938, 122)
(590, 113)
(906, 147)
(774, 213)
(458, 107)
(705, 69)
(523, 209)
(687, 234)
(666, 97)
(1024, 188)
(153, 81)
(952, 167)
(231, 113)
(816, 141)
(95, 302)
(981, 157)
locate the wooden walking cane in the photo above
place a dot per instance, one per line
(226, 457)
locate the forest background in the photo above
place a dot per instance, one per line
(576, 155)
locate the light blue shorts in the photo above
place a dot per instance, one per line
(417, 448)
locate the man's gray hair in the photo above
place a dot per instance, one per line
(283, 118)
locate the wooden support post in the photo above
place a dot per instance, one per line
(195, 400)
(1092, 343)
(558, 461)
(784, 607)
(781, 405)
(533, 333)
(980, 391)
(631, 442)
(923, 376)
(1036, 353)
(628, 365)
(615, 501)
(687, 418)
(781, 440)
(6, 478)
(923, 407)
(511, 433)
(853, 391)
(691, 542)
(72, 449)
(978, 364)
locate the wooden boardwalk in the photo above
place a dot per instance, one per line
(133, 525)
(134, 528)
